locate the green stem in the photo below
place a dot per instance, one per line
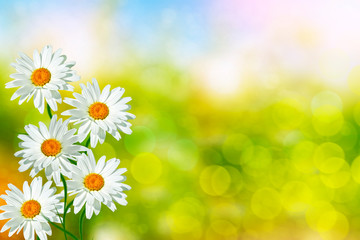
(49, 111)
(65, 201)
(37, 237)
(58, 227)
(81, 222)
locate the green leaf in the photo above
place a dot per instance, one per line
(24, 133)
(72, 161)
(61, 221)
(69, 206)
(87, 142)
(49, 111)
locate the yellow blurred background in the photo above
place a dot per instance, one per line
(248, 112)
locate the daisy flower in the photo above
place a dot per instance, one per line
(42, 77)
(96, 183)
(100, 112)
(49, 149)
(30, 209)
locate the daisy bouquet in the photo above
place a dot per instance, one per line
(63, 152)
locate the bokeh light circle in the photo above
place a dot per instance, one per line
(256, 159)
(302, 156)
(296, 196)
(329, 157)
(184, 218)
(215, 180)
(233, 147)
(183, 154)
(337, 179)
(224, 228)
(236, 183)
(266, 203)
(280, 172)
(323, 218)
(339, 229)
(146, 168)
(327, 120)
(288, 113)
(317, 214)
(326, 98)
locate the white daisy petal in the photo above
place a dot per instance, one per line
(24, 90)
(99, 112)
(96, 88)
(46, 72)
(30, 214)
(105, 93)
(46, 56)
(93, 187)
(48, 148)
(89, 211)
(28, 231)
(26, 190)
(27, 59)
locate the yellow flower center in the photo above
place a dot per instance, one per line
(98, 111)
(94, 182)
(40, 77)
(30, 209)
(51, 147)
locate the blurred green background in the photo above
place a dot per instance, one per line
(248, 112)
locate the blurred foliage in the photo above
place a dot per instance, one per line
(240, 132)
(277, 166)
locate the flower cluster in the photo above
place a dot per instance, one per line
(62, 151)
